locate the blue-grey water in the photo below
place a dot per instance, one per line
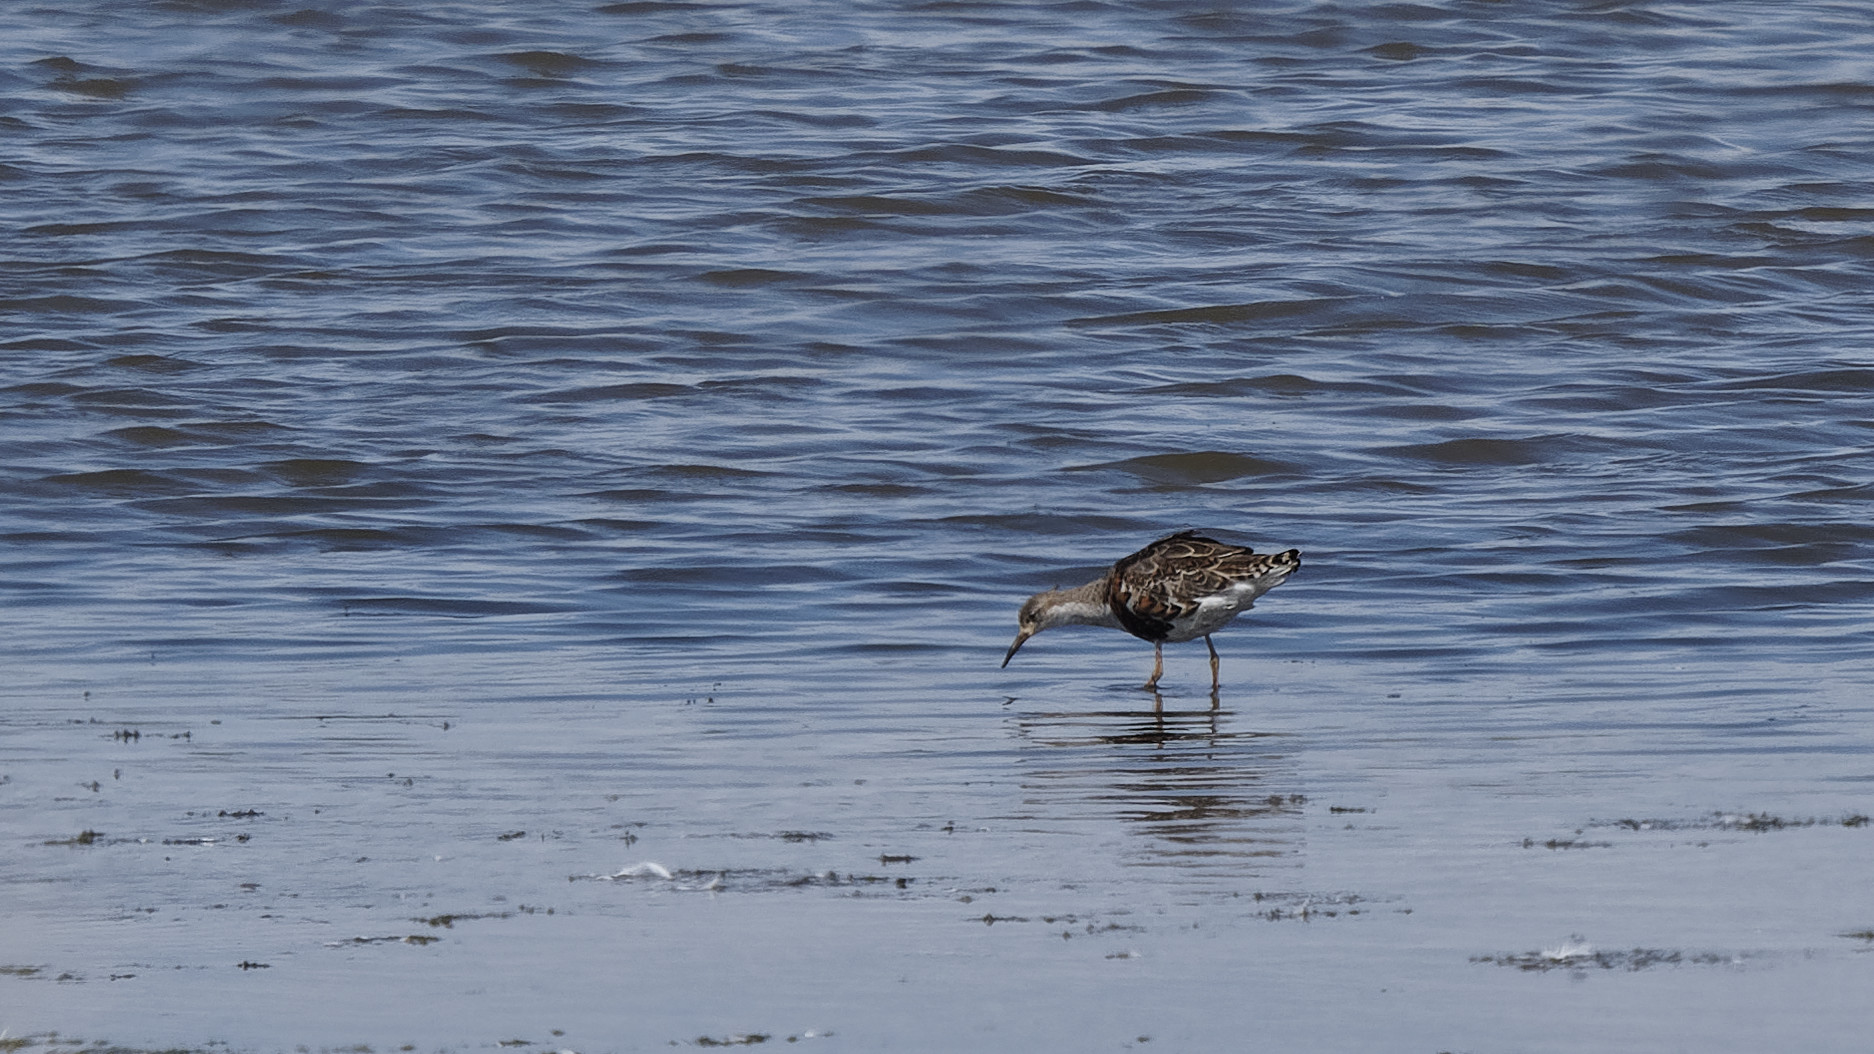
(511, 514)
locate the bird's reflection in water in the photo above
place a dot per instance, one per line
(1200, 792)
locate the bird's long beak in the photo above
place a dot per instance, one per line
(1015, 647)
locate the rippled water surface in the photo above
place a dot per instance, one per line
(512, 513)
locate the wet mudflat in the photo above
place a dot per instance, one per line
(511, 517)
(1322, 864)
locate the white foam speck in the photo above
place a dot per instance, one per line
(1572, 948)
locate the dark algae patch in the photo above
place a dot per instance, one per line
(1576, 954)
(1751, 821)
(448, 922)
(749, 1039)
(414, 938)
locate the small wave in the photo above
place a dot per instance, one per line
(743, 277)
(1859, 380)
(609, 392)
(552, 64)
(448, 607)
(315, 472)
(152, 436)
(1196, 468)
(1215, 314)
(1280, 384)
(1481, 451)
(125, 482)
(1168, 97)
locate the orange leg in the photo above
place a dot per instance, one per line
(1158, 665)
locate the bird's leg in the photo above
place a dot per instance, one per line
(1215, 682)
(1158, 665)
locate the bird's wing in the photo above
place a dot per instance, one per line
(1170, 579)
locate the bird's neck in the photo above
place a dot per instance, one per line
(1084, 606)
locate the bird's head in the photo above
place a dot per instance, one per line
(1037, 614)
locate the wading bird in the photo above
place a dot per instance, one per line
(1178, 588)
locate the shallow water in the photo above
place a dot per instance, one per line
(512, 521)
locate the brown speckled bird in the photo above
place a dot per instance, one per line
(1176, 589)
